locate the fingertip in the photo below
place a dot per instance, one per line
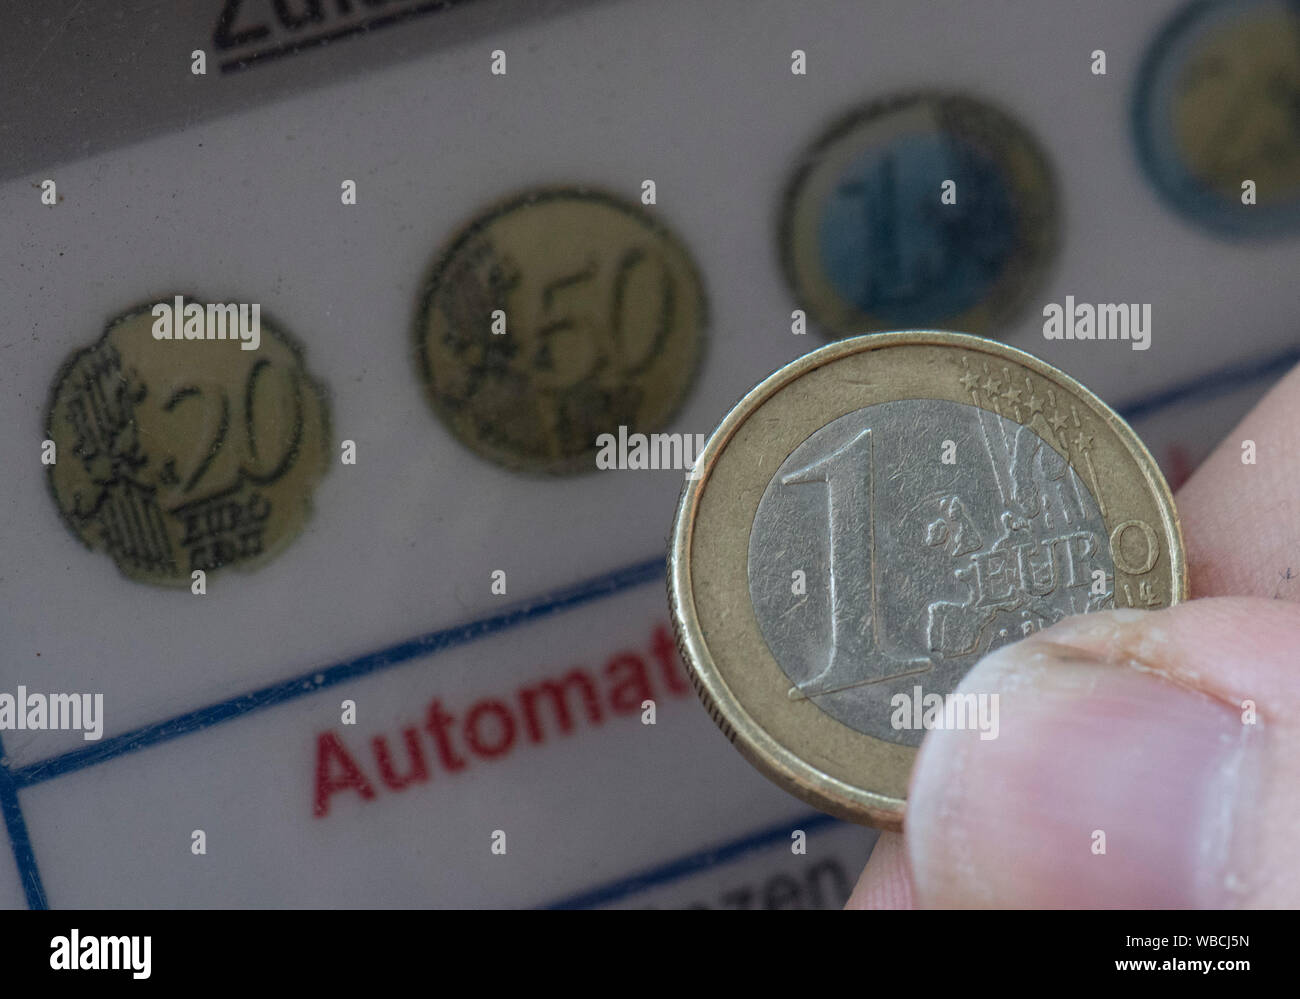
(1125, 771)
(885, 882)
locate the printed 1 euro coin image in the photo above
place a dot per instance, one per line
(878, 515)
(919, 209)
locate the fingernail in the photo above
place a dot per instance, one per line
(1107, 785)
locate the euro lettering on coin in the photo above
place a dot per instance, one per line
(878, 515)
(176, 455)
(557, 316)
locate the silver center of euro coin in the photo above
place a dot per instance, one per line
(900, 543)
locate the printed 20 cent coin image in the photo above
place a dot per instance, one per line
(878, 515)
(186, 454)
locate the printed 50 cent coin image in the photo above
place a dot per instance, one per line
(555, 316)
(878, 515)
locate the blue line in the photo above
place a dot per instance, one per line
(1216, 383)
(319, 679)
(28, 873)
(692, 863)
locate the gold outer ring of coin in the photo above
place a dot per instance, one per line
(831, 766)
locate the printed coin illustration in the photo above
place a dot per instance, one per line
(555, 317)
(177, 455)
(878, 515)
(1215, 107)
(924, 209)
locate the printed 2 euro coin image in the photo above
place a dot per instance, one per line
(554, 317)
(875, 517)
(1214, 115)
(175, 455)
(926, 209)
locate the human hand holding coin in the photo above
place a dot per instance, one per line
(873, 519)
(1173, 733)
